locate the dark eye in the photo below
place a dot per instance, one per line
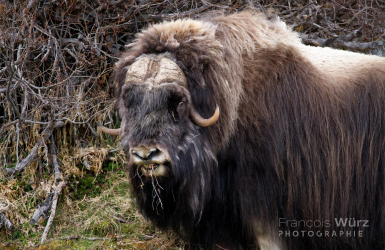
(176, 100)
(176, 106)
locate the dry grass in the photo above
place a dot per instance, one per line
(99, 205)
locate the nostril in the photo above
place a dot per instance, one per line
(134, 152)
(145, 153)
(153, 152)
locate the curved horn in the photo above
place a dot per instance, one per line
(109, 131)
(195, 116)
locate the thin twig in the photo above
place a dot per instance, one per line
(42, 209)
(53, 210)
(77, 237)
(56, 166)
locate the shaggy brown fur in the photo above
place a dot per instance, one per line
(301, 133)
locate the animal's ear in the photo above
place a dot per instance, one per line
(204, 60)
(196, 78)
(195, 72)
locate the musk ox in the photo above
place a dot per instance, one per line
(240, 136)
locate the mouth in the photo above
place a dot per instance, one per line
(154, 170)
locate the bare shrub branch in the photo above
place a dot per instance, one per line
(42, 210)
(4, 221)
(53, 210)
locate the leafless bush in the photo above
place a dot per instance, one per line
(56, 63)
(336, 23)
